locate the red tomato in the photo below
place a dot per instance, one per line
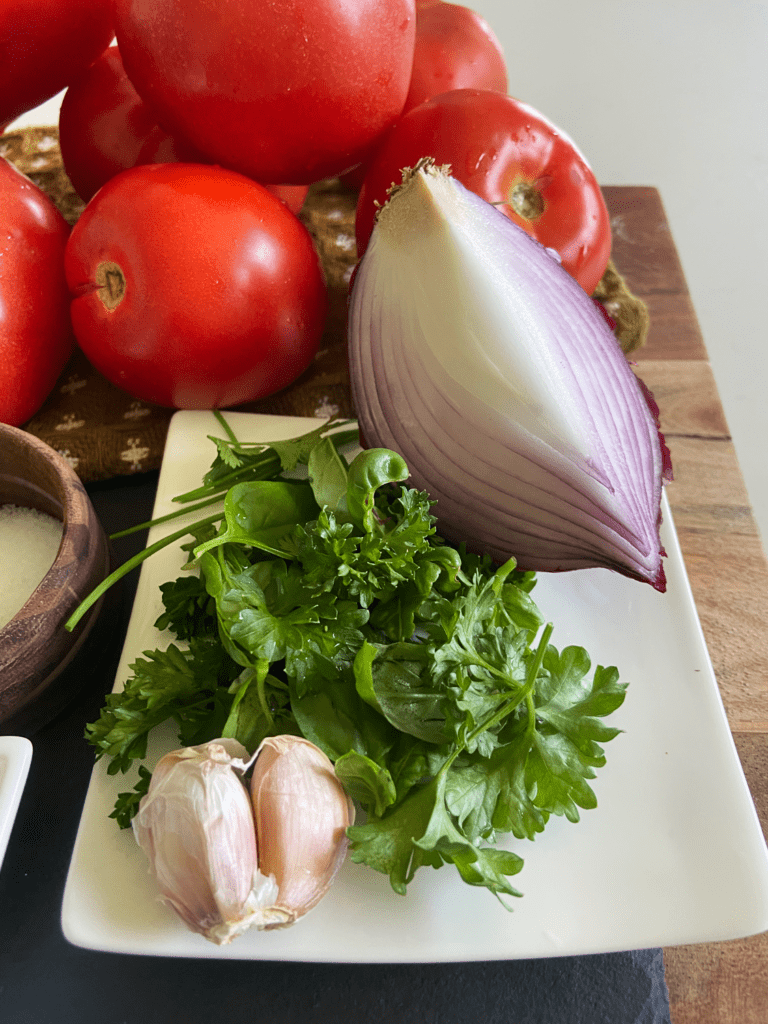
(35, 333)
(193, 287)
(103, 123)
(44, 45)
(286, 91)
(105, 127)
(162, 148)
(292, 195)
(455, 49)
(508, 153)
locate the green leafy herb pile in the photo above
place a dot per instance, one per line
(330, 607)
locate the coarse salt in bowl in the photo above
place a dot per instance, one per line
(38, 535)
(56, 552)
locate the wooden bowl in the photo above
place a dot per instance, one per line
(41, 663)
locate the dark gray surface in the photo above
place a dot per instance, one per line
(44, 980)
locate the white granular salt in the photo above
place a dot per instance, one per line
(29, 543)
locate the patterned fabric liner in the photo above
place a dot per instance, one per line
(104, 433)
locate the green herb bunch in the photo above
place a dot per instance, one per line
(330, 607)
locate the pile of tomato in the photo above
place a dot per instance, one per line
(193, 131)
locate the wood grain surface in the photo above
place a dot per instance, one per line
(712, 983)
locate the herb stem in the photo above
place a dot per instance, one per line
(261, 691)
(257, 470)
(126, 567)
(225, 426)
(167, 518)
(524, 694)
(530, 706)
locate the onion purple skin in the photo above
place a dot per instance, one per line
(496, 487)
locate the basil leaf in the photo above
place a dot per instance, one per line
(369, 471)
(328, 476)
(398, 679)
(366, 781)
(263, 514)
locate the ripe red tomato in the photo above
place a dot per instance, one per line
(286, 91)
(105, 127)
(292, 195)
(35, 332)
(455, 49)
(103, 123)
(507, 153)
(44, 45)
(193, 287)
(162, 148)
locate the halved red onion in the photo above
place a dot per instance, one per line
(481, 361)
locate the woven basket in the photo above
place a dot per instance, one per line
(106, 433)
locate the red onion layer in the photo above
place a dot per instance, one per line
(481, 361)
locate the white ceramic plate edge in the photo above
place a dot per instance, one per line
(15, 759)
(722, 901)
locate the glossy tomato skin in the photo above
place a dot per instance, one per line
(162, 148)
(44, 45)
(292, 195)
(193, 287)
(103, 124)
(35, 332)
(286, 91)
(105, 127)
(504, 151)
(455, 49)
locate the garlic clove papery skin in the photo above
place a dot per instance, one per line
(196, 826)
(480, 360)
(302, 813)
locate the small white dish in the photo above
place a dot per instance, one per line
(15, 759)
(673, 853)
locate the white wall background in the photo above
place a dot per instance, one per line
(673, 94)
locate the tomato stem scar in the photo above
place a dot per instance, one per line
(526, 200)
(111, 284)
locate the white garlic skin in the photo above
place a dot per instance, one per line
(196, 826)
(302, 813)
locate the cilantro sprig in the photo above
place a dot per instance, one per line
(329, 606)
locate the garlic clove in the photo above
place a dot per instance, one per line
(302, 813)
(196, 827)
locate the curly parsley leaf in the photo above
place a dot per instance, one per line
(421, 831)
(543, 762)
(189, 609)
(183, 685)
(127, 804)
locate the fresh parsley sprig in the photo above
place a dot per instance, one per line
(235, 462)
(330, 607)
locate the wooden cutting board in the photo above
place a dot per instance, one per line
(714, 983)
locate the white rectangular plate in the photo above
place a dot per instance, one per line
(673, 853)
(15, 758)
